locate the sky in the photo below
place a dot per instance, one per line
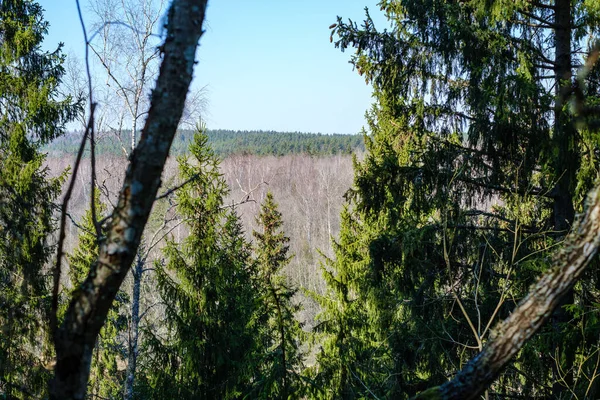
(266, 64)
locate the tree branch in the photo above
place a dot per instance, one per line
(87, 311)
(569, 263)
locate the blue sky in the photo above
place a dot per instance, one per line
(267, 64)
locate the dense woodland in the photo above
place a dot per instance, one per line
(226, 142)
(455, 258)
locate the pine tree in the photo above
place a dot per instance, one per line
(105, 381)
(280, 366)
(207, 286)
(475, 167)
(31, 115)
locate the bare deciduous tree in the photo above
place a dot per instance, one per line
(128, 53)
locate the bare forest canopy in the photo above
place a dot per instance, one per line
(226, 142)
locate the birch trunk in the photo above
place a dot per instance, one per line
(74, 340)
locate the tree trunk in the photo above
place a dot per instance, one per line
(133, 132)
(134, 328)
(74, 340)
(579, 249)
(565, 169)
(564, 135)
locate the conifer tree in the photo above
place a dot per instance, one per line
(474, 170)
(282, 358)
(105, 381)
(348, 357)
(208, 288)
(31, 115)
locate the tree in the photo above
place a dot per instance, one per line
(74, 340)
(31, 115)
(207, 287)
(129, 54)
(475, 166)
(350, 353)
(580, 249)
(282, 359)
(105, 381)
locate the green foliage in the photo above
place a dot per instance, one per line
(352, 353)
(472, 175)
(281, 359)
(208, 288)
(30, 116)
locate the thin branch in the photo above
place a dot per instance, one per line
(62, 233)
(546, 23)
(170, 191)
(79, 226)
(239, 203)
(90, 125)
(365, 386)
(108, 23)
(142, 315)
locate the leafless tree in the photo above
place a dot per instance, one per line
(126, 46)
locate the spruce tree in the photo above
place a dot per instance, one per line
(349, 353)
(31, 115)
(281, 361)
(207, 285)
(474, 170)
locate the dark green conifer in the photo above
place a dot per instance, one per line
(31, 115)
(475, 167)
(207, 285)
(281, 361)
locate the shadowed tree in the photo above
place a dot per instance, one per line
(31, 115)
(475, 168)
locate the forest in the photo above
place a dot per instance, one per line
(447, 252)
(227, 142)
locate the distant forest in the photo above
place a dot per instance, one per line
(228, 142)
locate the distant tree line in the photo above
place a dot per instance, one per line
(228, 142)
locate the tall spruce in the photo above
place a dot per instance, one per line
(281, 361)
(31, 115)
(207, 285)
(474, 170)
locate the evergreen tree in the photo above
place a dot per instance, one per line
(280, 366)
(475, 167)
(105, 381)
(349, 356)
(207, 286)
(31, 115)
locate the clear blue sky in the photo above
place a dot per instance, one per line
(267, 64)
